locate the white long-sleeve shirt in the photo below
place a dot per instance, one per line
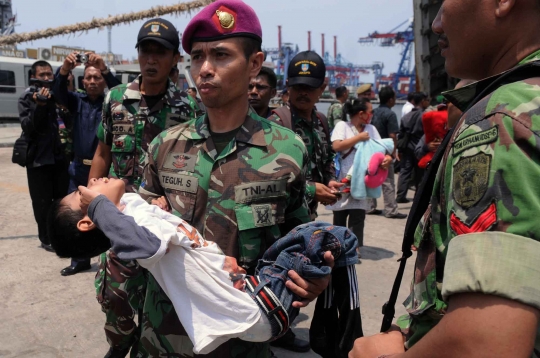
(192, 275)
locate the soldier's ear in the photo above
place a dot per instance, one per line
(85, 224)
(255, 63)
(504, 7)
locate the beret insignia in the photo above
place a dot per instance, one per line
(226, 20)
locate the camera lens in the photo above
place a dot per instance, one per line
(84, 59)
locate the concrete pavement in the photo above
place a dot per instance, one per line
(9, 132)
(45, 315)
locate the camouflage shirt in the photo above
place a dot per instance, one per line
(128, 126)
(244, 199)
(320, 152)
(194, 104)
(481, 231)
(335, 114)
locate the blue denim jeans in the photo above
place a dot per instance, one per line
(302, 250)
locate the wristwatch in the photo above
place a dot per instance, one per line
(105, 71)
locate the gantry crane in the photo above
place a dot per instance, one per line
(404, 81)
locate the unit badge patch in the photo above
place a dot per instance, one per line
(180, 161)
(262, 214)
(470, 179)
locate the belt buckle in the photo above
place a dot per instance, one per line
(87, 161)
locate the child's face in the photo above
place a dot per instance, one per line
(112, 188)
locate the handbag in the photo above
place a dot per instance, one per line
(20, 151)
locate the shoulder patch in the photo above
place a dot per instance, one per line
(476, 139)
(470, 179)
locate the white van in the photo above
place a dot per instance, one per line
(15, 79)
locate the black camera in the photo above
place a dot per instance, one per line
(82, 58)
(36, 86)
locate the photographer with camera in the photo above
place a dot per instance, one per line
(46, 164)
(85, 109)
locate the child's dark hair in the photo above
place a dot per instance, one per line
(355, 105)
(67, 240)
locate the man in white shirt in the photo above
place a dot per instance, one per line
(407, 107)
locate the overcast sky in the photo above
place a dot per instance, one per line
(347, 19)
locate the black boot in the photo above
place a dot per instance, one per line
(117, 353)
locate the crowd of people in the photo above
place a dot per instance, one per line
(216, 187)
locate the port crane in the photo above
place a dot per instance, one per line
(404, 80)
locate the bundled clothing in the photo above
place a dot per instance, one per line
(213, 299)
(365, 151)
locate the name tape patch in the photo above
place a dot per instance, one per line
(260, 189)
(180, 161)
(476, 139)
(123, 128)
(179, 182)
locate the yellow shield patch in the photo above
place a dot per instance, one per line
(470, 179)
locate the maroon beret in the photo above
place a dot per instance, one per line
(222, 19)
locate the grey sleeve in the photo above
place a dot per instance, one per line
(128, 240)
(421, 148)
(392, 123)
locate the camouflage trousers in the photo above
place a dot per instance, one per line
(120, 289)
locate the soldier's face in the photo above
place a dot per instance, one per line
(156, 62)
(469, 37)
(304, 97)
(222, 72)
(260, 92)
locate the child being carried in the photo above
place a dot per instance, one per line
(214, 299)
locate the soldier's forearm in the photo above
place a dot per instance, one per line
(101, 162)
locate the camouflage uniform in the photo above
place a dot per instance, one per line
(128, 126)
(194, 104)
(335, 114)
(320, 152)
(244, 199)
(65, 127)
(481, 228)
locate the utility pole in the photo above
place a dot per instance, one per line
(110, 56)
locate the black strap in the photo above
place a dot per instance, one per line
(425, 189)
(347, 154)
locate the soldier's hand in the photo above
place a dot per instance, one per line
(44, 92)
(324, 194)
(96, 61)
(334, 185)
(69, 64)
(162, 203)
(86, 197)
(310, 289)
(387, 344)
